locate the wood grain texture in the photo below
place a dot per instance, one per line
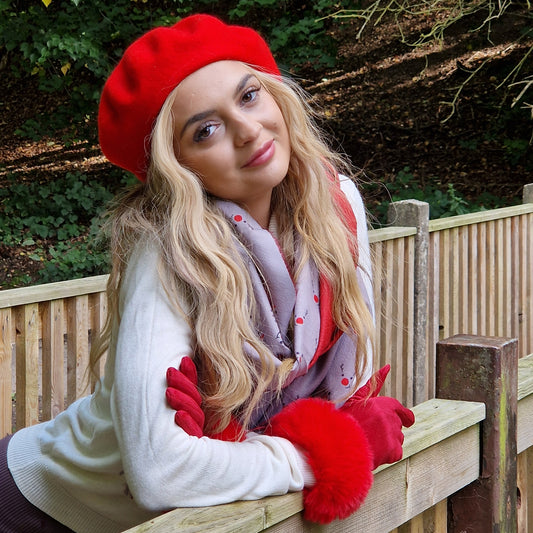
(53, 371)
(27, 324)
(6, 372)
(52, 291)
(525, 407)
(480, 217)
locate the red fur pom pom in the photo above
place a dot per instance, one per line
(337, 451)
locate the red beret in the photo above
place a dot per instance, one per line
(152, 67)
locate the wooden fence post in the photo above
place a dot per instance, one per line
(414, 213)
(484, 369)
(527, 194)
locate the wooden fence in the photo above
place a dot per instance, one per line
(471, 274)
(44, 347)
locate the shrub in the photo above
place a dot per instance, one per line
(72, 45)
(60, 209)
(444, 200)
(57, 223)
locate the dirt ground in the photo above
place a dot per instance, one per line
(388, 105)
(385, 105)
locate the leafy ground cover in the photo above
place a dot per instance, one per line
(386, 104)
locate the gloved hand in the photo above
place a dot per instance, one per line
(183, 396)
(381, 419)
(337, 452)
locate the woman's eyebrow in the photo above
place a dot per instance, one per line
(198, 117)
(242, 84)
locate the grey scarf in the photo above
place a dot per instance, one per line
(289, 320)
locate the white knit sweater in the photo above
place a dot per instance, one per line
(116, 458)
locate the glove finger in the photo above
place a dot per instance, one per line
(181, 402)
(380, 377)
(363, 392)
(394, 406)
(188, 368)
(185, 422)
(177, 380)
(406, 416)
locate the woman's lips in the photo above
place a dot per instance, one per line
(261, 156)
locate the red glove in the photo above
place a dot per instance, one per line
(183, 396)
(381, 419)
(337, 451)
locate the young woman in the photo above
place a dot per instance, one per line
(240, 306)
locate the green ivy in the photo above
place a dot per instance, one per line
(70, 260)
(60, 209)
(71, 46)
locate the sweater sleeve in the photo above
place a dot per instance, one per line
(163, 465)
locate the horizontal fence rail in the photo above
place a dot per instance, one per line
(441, 455)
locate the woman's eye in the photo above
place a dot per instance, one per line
(250, 95)
(204, 132)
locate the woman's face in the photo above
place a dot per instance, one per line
(230, 131)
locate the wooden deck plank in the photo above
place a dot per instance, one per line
(27, 364)
(5, 372)
(525, 376)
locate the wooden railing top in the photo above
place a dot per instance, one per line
(52, 291)
(524, 438)
(450, 424)
(390, 233)
(479, 217)
(525, 377)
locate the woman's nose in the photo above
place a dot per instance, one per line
(247, 129)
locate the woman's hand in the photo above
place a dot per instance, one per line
(381, 419)
(183, 396)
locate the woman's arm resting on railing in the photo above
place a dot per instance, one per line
(163, 465)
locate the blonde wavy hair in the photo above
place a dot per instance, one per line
(202, 273)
